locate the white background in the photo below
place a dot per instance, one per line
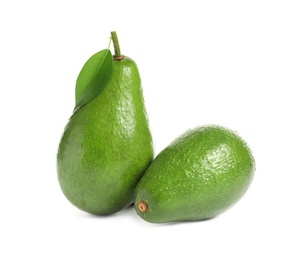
(201, 62)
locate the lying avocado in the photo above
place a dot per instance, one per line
(200, 175)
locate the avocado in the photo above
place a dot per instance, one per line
(107, 145)
(198, 176)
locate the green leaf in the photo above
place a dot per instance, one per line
(93, 77)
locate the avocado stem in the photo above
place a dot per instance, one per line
(117, 49)
(142, 206)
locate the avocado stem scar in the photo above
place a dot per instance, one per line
(119, 58)
(142, 206)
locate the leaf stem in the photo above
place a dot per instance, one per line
(110, 41)
(117, 49)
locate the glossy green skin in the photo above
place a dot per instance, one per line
(200, 175)
(107, 145)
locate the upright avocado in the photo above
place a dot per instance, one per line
(198, 176)
(107, 144)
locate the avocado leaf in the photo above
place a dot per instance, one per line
(93, 77)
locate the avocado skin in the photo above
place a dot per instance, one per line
(107, 145)
(198, 176)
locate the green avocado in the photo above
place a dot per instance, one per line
(198, 176)
(107, 145)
